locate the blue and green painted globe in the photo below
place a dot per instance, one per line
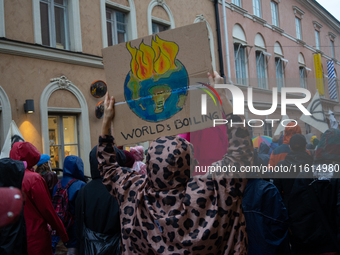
(159, 97)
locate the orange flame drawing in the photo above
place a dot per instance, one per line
(148, 61)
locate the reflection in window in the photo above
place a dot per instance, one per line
(116, 27)
(156, 27)
(298, 28)
(240, 64)
(303, 77)
(261, 69)
(63, 138)
(275, 14)
(279, 73)
(317, 40)
(237, 2)
(257, 8)
(53, 16)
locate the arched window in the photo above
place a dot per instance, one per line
(303, 71)
(5, 116)
(262, 58)
(65, 129)
(280, 65)
(201, 18)
(240, 55)
(158, 24)
(119, 23)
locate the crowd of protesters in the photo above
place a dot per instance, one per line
(156, 207)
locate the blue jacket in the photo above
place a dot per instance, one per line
(73, 169)
(266, 219)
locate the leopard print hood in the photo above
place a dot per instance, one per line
(168, 163)
(166, 211)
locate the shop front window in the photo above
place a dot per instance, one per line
(63, 138)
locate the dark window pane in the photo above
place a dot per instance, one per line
(60, 27)
(45, 29)
(109, 33)
(120, 17)
(121, 37)
(108, 15)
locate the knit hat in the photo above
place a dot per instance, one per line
(43, 159)
(298, 142)
(314, 141)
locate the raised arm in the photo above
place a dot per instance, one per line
(116, 179)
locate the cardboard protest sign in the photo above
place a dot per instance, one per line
(155, 83)
(317, 119)
(12, 137)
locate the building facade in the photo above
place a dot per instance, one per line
(50, 51)
(272, 43)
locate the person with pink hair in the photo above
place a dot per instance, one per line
(138, 154)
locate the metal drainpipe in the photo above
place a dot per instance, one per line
(226, 41)
(218, 28)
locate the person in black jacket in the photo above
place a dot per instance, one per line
(13, 239)
(97, 215)
(297, 159)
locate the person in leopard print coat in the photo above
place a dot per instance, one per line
(166, 211)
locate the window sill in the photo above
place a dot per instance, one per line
(277, 29)
(238, 9)
(47, 53)
(259, 20)
(301, 42)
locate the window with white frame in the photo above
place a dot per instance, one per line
(240, 52)
(261, 69)
(237, 2)
(332, 49)
(257, 8)
(308, 129)
(63, 138)
(317, 40)
(267, 129)
(54, 23)
(298, 28)
(157, 27)
(275, 14)
(116, 24)
(279, 73)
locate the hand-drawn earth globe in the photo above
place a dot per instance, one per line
(159, 97)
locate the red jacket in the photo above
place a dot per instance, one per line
(38, 209)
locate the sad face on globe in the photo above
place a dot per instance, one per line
(157, 85)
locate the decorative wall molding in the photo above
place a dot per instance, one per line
(6, 114)
(84, 125)
(48, 53)
(317, 25)
(298, 12)
(238, 9)
(161, 3)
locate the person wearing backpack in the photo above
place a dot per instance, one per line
(38, 208)
(73, 180)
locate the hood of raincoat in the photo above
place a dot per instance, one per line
(74, 167)
(290, 130)
(11, 173)
(25, 151)
(328, 147)
(264, 148)
(173, 171)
